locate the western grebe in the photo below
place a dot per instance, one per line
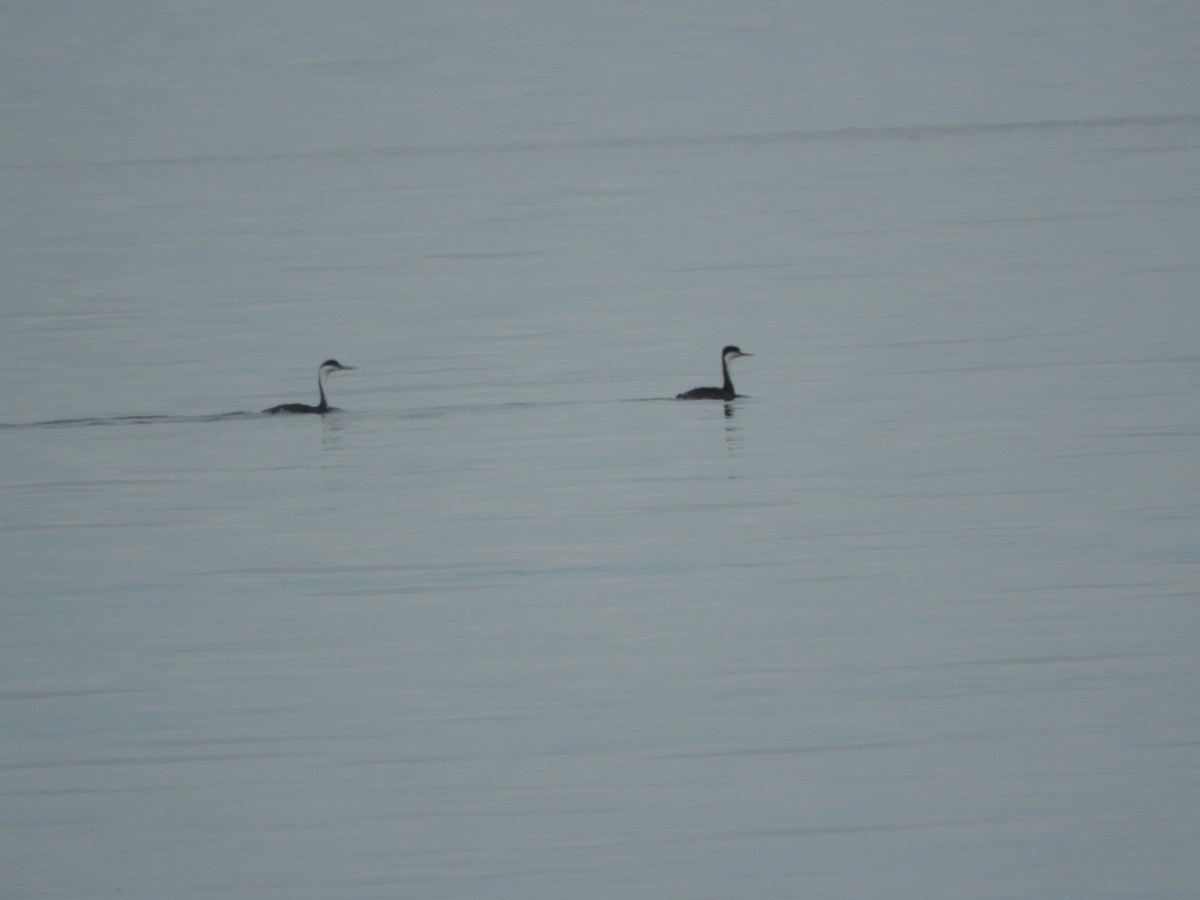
(725, 392)
(327, 367)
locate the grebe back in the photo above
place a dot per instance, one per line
(725, 392)
(327, 368)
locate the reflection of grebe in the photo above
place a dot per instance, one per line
(330, 365)
(725, 392)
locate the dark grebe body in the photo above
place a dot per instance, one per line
(725, 391)
(327, 368)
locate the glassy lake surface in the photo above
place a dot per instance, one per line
(915, 617)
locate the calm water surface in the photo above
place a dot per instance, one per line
(915, 617)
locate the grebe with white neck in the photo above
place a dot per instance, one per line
(327, 368)
(725, 392)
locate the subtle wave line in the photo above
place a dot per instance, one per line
(128, 420)
(637, 142)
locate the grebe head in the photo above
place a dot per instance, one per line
(732, 352)
(332, 365)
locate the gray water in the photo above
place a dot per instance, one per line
(915, 617)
